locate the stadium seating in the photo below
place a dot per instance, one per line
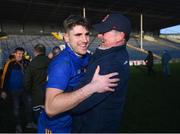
(29, 41)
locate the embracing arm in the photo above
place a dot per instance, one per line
(59, 102)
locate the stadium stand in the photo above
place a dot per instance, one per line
(29, 41)
(158, 46)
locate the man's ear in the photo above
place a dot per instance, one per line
(122, 35)
(66, 37)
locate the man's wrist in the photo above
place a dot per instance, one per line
(87, 90)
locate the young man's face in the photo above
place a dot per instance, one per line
(78, 38)
(18, 55)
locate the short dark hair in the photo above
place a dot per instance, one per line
(40, 48)
(19, 49)
(74, 20)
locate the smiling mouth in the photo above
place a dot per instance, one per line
(84, 47)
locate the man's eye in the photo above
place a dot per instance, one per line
(87, 34)
(78, 34)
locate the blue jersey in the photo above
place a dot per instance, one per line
(64, 73)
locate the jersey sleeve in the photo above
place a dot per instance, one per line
(58, 74)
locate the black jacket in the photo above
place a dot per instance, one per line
(35, 78)
(103, 112)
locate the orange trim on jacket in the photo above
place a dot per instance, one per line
(4, 72)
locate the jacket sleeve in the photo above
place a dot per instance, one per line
(28, 79)
(6, 73)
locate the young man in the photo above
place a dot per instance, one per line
(102, 113)
(64, 74)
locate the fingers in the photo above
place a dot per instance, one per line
(114, 80)
(97, 70)
(111, 89)
(112, 74)
(112, 85)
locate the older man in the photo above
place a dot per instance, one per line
(103, 112)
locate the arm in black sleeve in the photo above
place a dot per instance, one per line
(7, 75)
(28, 79)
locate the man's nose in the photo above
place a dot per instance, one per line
(85, 38)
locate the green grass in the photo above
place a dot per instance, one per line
(153, 102)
